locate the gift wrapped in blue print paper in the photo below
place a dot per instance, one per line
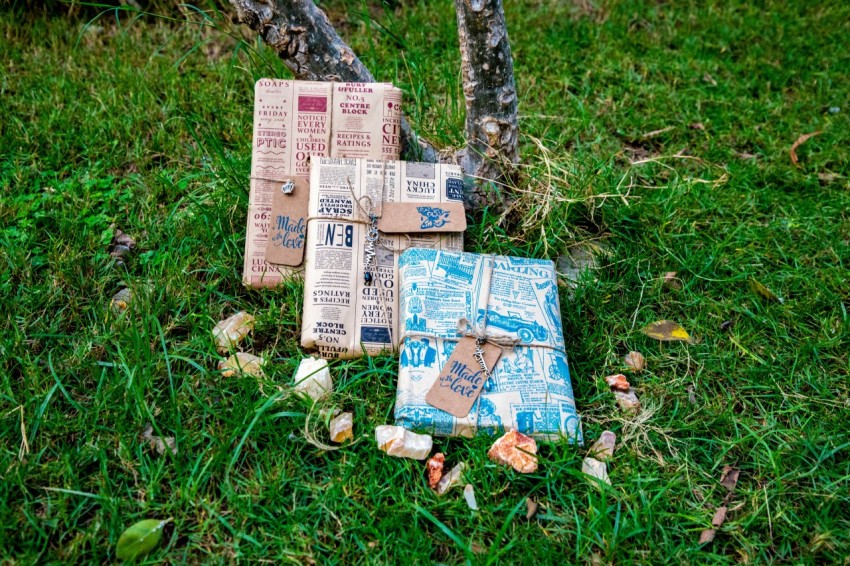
(509, 301)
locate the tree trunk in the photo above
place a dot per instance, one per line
(488, 86)
(304, 39)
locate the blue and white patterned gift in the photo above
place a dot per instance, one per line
(447, 295)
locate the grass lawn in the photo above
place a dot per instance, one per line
(659, 132)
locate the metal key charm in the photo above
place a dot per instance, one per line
(371, 239)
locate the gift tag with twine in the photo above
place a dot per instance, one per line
(288, 222)
(463, 377)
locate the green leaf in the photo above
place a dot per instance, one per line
(140, 539)
(763, 291)
(666, 331)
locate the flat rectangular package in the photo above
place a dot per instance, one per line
(446, 296)
(344, 315)
(294, 120)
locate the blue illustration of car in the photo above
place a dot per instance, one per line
(527, 330)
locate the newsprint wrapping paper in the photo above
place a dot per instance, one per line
(294, 120)
(506, 298)
(343, 316)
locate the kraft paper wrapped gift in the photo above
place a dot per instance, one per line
(446, 296)
(294, 120)
(399, 204)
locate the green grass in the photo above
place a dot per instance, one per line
(145, 123)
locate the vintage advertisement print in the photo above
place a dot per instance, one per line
(351, 267)
(294, 120)
(509, 301)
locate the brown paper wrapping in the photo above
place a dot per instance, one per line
(294, 120)
(343, 316)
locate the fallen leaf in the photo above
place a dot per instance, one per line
(707, 536)
(729, 477)
(671, 280)
(656, 133)
(666, 331)
(140, 539)
(800, 141)
(530, 508)
(763, 291)
(719, 517)
(635, 361)
(828, 177)
(121, 244)
(159, 443)
(692, 398)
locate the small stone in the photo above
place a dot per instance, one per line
(516, 450)
(603, 449)
(435, 469)
(121, 244)
(450, 479)
(530, 508)
(401, 443)
(341, 428)
(618, 382)
(595, 469)
(469, 496)
(627, 400)
(230, 331)
(834, 109)
(635, 361)
(241, 362)
(122, 299)
(313, 378)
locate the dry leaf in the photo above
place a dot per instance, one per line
(763, 291)
(800, 141)
(697, 126)
(707, 536)
(159, 443)
(719, 517)
(828, 177)
(530, 508)
(729, 477)
(671, 281)
(666, 331)
(635, 361)
(692, 398)
(656, 133)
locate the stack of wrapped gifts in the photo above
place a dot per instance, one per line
(379, 244)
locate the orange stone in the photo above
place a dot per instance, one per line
(618, 382)
(516, 450)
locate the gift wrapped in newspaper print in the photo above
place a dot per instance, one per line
(507, 300)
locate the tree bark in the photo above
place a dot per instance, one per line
(304, 39)
(488, 86)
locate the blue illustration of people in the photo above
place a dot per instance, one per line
(488, 421)
(418, 353)
(523, 362)
(550, 304)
